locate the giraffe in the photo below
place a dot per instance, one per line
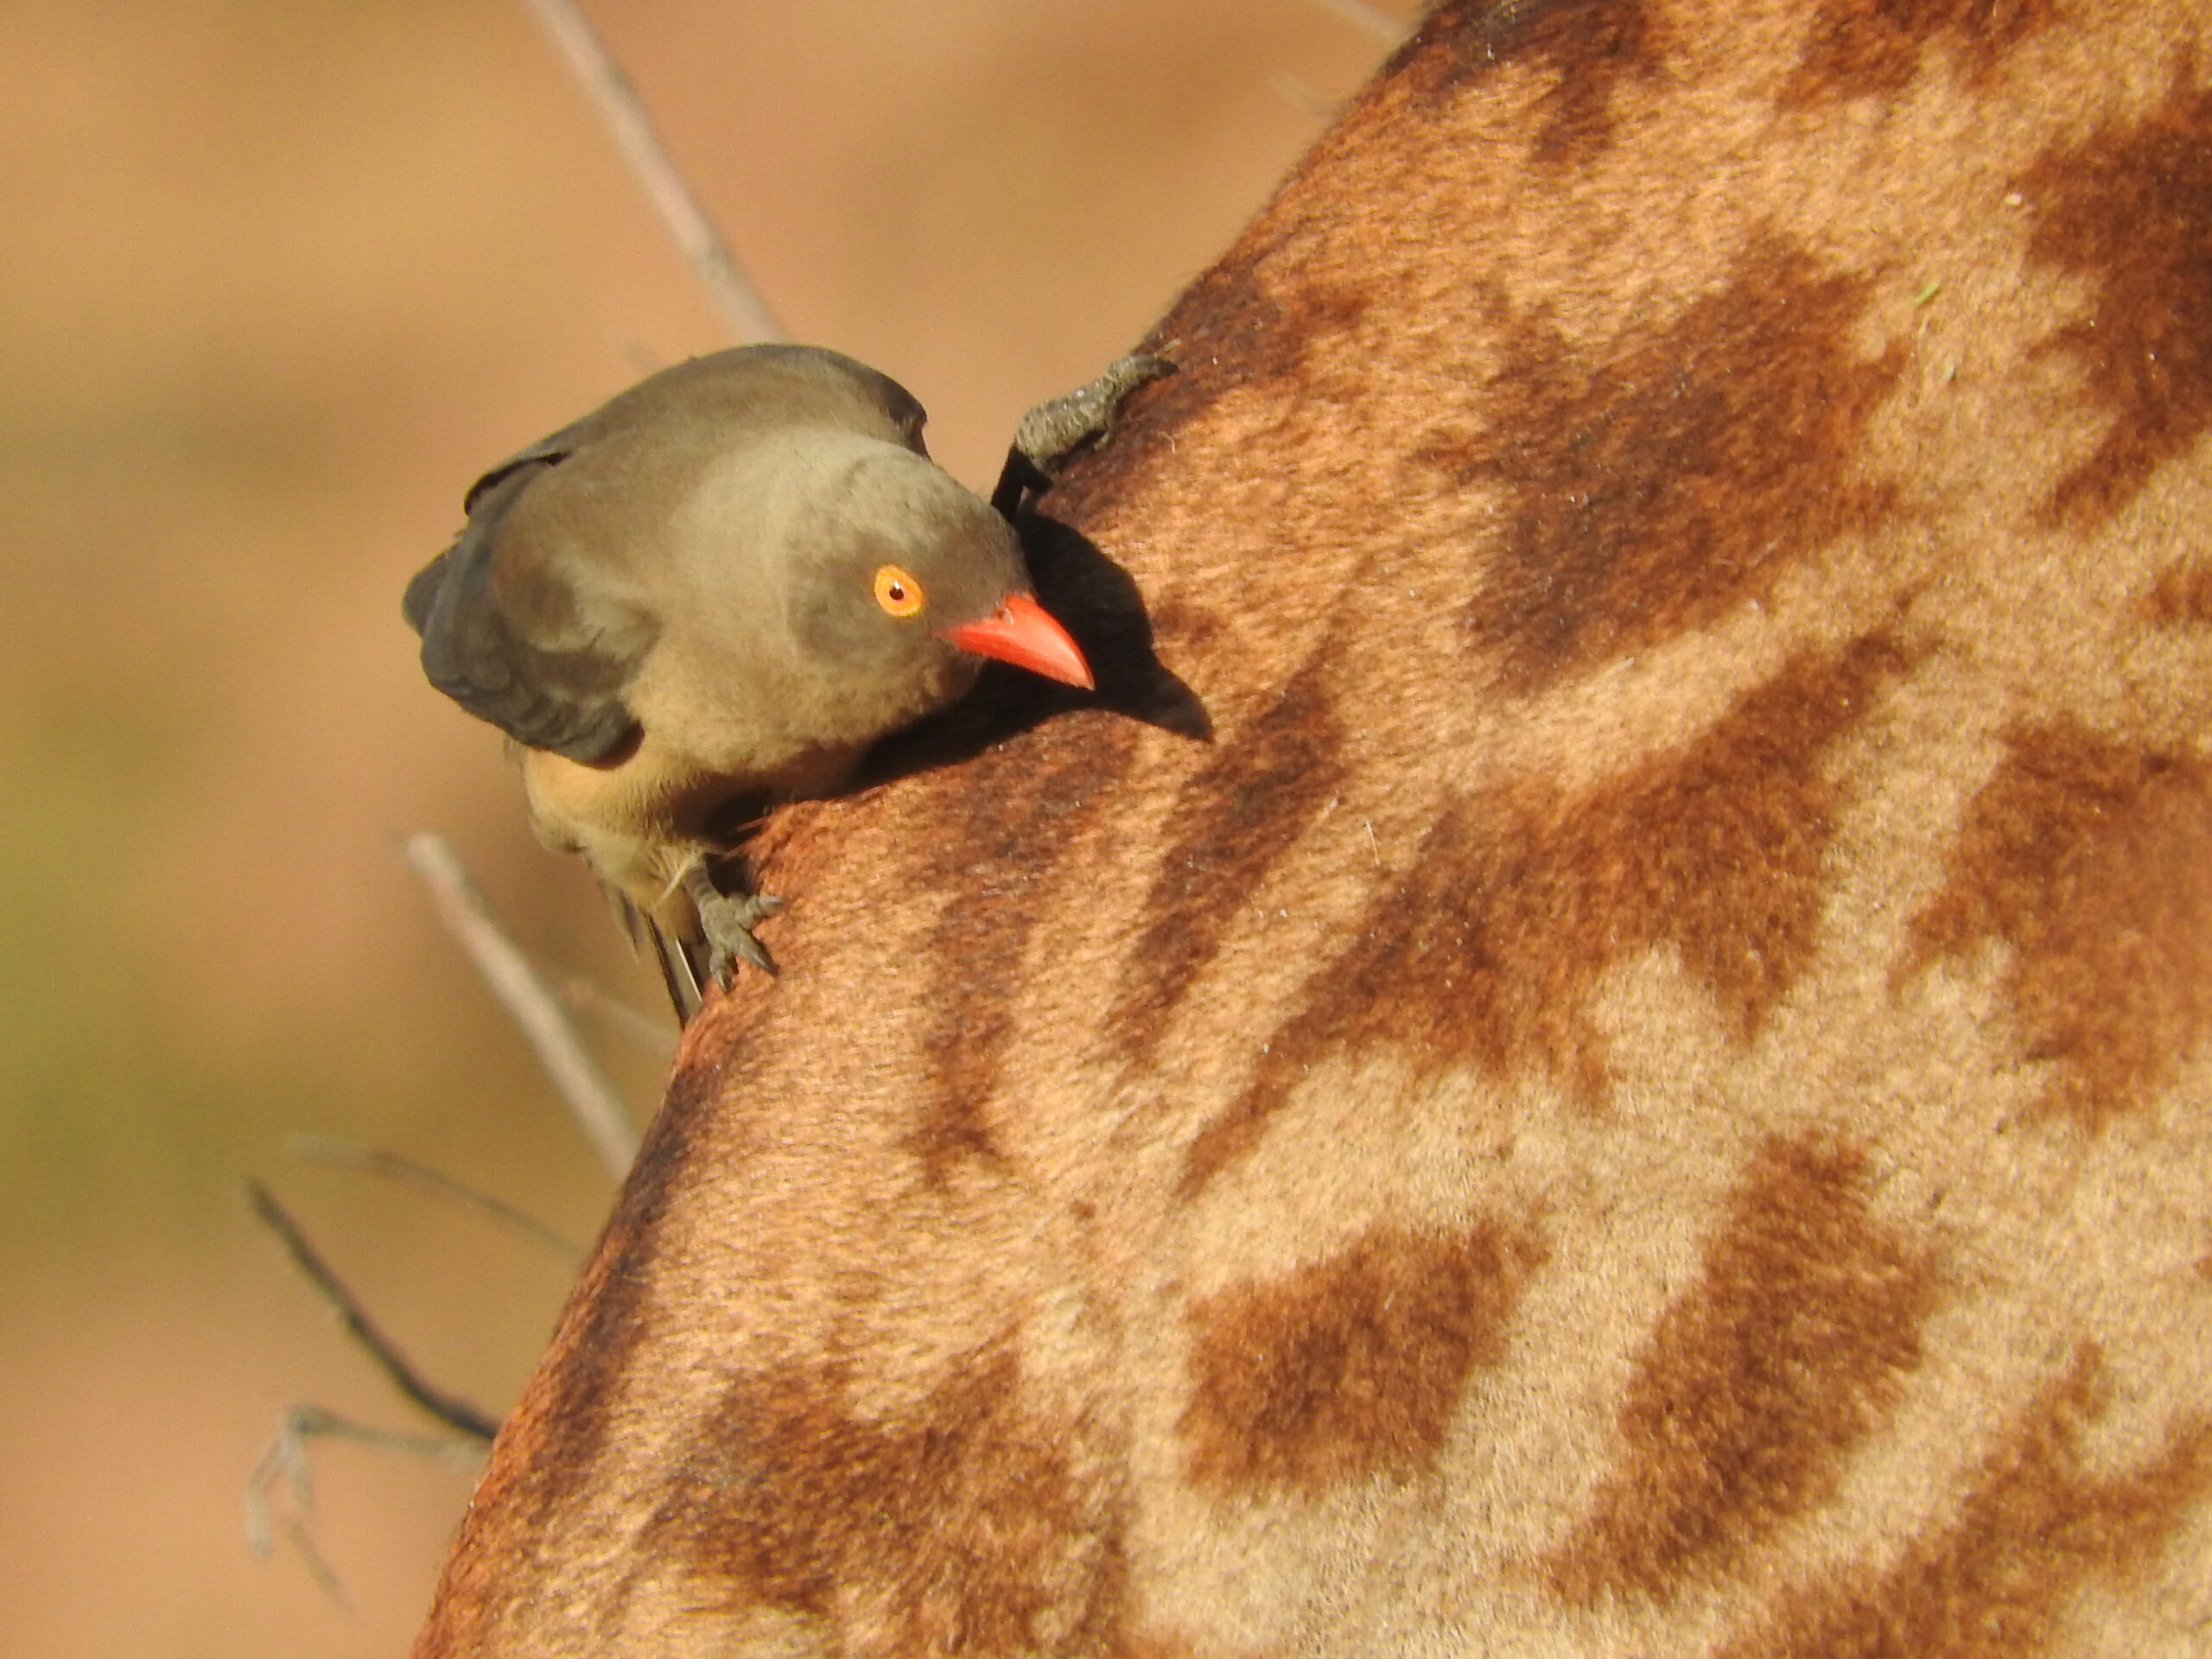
(1645, 1091)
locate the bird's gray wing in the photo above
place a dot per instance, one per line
(543, 652)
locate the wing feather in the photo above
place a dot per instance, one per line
(538, 652)
(537, 627)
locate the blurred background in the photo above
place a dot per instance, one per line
(277, 279)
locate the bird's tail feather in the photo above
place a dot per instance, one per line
(682, 971)
(682, 968)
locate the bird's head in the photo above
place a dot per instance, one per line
(914, 576)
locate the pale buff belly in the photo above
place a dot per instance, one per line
(641, 823)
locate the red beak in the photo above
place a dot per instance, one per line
(1022, 632)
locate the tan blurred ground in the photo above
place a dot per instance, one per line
(276, 278)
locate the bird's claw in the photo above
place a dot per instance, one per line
(1059, 427)
(1056, 429)
(727, 920)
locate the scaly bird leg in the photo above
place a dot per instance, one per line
(1056, 429)
(727, 919)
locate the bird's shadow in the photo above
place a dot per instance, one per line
(1098, 603)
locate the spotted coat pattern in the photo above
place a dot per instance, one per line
(1647, 1091)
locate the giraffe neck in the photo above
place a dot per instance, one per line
(1644, 1093)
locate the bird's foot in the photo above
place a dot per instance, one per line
(727, 919)
(1056, 429)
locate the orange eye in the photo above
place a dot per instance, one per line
(898, 592)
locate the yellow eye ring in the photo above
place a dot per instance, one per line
(897, 591)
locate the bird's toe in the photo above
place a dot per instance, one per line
(728, 928)
(1055, 429)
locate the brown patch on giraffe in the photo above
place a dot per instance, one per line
(555, 1450)
(2183, 595)
(2130, 210)
(1238, 817)
(1230, 331)
(607, 1316)
(957, 1528)
(2091, 861)
(2035, 1529)
(1592, 45)
(1655, 485)
(1789, 1348)
(2204, 1266)
(1191, 628)
(1014, 813)
(1228, 335)
(1494, 938)
(1177, 1646)
(1350, 1367)
(1857, 49)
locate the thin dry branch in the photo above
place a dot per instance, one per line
(405, 1171)
(286, 1465)
(534, 1005)
(460, 1415)
(582, 997)
(1302, 96)
(1368, 20)
(726, 284)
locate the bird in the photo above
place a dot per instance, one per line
(714, 593)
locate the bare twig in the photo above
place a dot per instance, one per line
(350, 1154)
(726, 281)
(286, 1463)
(581, 995)
(527, 997)
(455, 1413)
(1302, 97)
(1366, 18)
